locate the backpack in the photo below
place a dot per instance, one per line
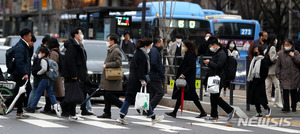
(52, 72)
(10, 60)
(61, 61)
(230, 68)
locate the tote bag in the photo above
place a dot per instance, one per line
(213, 84)
(142, 100)
(74, 93)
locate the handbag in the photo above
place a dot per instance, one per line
(142, 100)
(213, 84)
(74, 93)
(114, 73)
(180, 83)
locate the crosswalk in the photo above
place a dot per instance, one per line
(182, 124)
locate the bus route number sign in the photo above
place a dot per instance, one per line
(246, 32)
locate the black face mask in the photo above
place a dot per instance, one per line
(255, 53)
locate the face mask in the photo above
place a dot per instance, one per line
(178, 40)
(212, 49)
(255, 54)
(231, 45)
(40, 56)
(287, 48)
(148, 51)
(107, 44)
(81, 37)
(183, 49)
(276, 41)
(206, 38)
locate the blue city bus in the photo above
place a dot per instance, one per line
(243, 32)
(187, 19)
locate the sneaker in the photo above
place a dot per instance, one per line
(75, 118)
(211, 118)
(22, 116)
(171, 114)
(145, 113)
(158, 118)
(202, 115)
(104, 116)
(57, 109)
(86, 112)
(268, 113)
(231, 114)
(45, 112)
(258, 115)
(206, 93)
(29, 110)
(285, 109)
(138, 111)
(122, 121)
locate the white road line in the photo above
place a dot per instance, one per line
(197, 119)
(281, 129)
(103, 125)
(220, 127)
(2, 117)
(1, 126)
(163, 127)
(97, 119)
(44, 124)
(143, 118)
(43, 116)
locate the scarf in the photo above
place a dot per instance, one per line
(148, 60)
(254, 71)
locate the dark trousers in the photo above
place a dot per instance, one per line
(156, 92)
(298, 94)
(258, 109)
(196, 102)
(286, 100)
(216, 100)
(69, 108)
(47, 106)
(111, 99)
(84, 91)
(19, 103)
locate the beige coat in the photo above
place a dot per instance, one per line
(113, 60)
(287, 70)
(273, 57)
(58, 87)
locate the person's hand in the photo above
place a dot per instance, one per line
(104, 66)
(144, 84)
(74, 78)
(292, 54)
(181, 77)
(25, 77)
(206, 61)
(131, 40)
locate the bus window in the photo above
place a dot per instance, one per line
(234, 30)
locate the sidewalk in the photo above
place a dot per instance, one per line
(239, 102)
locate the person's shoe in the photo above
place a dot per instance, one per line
(211, 118)
(104, 116)
(57, 109)
(145, 113)
(45, 112)
(29, 110)
(158, 118)
(138, 111)
(258, 115)
(231, 114)
(294, 110)
(85, 112)
(37, 108)
(202, 115)
(206, 93)
(122, 121)
(268, 113)
(22, 116)
(285, 109)
(75, 118)
(171, 114)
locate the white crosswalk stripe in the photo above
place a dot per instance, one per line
(143, 118)
(220, 127)
(3, 117)
(43, 116)
(162, 127)
(103, 125)
(42, 123)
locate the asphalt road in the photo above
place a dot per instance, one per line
(186, 123)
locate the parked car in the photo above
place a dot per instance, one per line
(96, 53)
(2, 40)
(6, 86)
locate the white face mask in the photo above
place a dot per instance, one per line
(81, 37)
(107, 44)
(178, 41)
(287, 48)
(148, 51)
(276, 41)
(231, 45)
(40, 56)
(206, 38)
(212, 49)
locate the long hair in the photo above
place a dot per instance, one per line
(191, 47)
(271, 39)
(144, 42)
(228, 45)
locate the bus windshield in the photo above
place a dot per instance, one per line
(231, 30)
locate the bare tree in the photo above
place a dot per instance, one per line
(248, 9)
(220, 4)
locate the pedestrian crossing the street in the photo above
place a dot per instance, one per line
(187, 123)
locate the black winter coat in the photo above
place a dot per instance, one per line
(257, 89)
(188, 69)
(75, 61)
(157, 68)
(217, 66)
(22, 55)
(138, 70)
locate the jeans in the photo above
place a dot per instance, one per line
(31, 96)
(125, 107)
(88, 104)
(47, 85)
